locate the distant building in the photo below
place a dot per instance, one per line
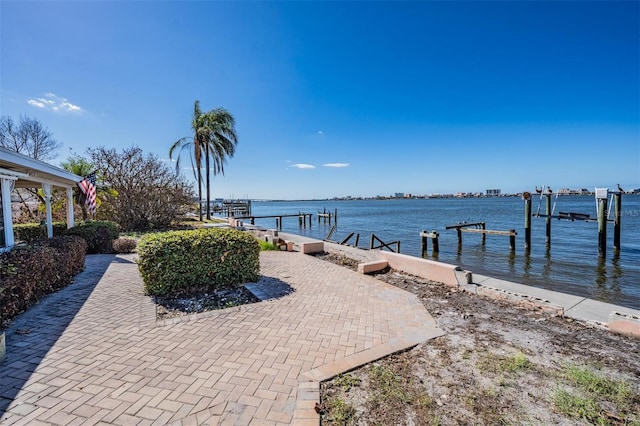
(399, 194)
(493, 192)
(568, 191)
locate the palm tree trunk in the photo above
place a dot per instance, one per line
(200, 194)
(206, 151)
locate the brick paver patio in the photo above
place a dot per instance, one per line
(93, 353)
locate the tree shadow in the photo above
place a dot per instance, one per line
(32, 334)
(118, 259)
(270, 288)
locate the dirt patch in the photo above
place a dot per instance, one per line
(498, 363)
(170, 307)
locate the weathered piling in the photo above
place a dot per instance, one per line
(434, 242)
(512, 239)
(526, 196)
(601, 196)
(302, 219)
(617, 211)
(547, 211)
(328, 216)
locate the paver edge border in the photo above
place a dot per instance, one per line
(308, 395)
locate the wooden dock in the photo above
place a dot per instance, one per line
(232, 207)
(302, 218)
(324, 214)
(480, 228)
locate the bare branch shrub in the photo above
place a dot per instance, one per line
(149, 194)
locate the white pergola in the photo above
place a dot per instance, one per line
(20, 171)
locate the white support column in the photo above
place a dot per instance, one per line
(7, 187)
(46, 188)
(70, 218)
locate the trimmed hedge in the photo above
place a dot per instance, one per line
(189, 262)
(31, 232)
(98, 234)
(29, 272)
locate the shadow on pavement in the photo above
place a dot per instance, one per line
(270, 288)
(33, 333)
(119, 259)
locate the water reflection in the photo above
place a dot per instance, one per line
(526, 269)
(607, 280)
(512, 262)
(546, 270)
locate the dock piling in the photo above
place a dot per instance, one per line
(601, 196)
(434, 242)
(547, 197)
(512, 239)
(328, 215)
(616, 220)
(526, 196)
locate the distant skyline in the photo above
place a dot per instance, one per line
(336, 99)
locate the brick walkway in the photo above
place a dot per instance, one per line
(94, 354)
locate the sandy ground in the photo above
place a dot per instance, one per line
(498, 363)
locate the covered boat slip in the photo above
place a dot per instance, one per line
(20, 171)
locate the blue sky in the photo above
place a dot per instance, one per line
(342, 98)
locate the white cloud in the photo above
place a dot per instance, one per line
(336, 165)
(69, 107)
(303, 166)
(37, 103)
(55, 103)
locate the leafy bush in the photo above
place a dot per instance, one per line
(31, 232)
(99, 235)
(124, 245)
(29, 272)
(188, 262)
(267, 246)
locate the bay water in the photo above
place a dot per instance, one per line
(570, 264)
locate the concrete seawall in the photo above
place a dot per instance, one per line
(615, 318)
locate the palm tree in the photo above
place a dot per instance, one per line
(196, 143)
(220, 140)
(215, 139)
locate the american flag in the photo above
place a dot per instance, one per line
(88, 187)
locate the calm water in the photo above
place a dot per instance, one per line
(570, 265)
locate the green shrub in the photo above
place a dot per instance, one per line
(29, 272)
(124, 245)
(31, 232)
(267, 246)
(188, 262)
(99, 235)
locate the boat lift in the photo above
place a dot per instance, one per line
(550, 209)
(603, 215)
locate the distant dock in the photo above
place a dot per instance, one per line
(231, 207)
